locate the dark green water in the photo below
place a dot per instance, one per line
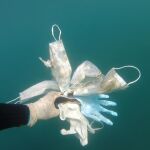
(110, 33)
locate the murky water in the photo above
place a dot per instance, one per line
(108, 33)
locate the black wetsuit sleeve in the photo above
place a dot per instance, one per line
(13, 115)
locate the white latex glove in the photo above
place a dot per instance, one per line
(43, 109)
(79, 125)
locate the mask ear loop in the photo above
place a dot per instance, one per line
(129, 66)
(56, 26)
(13, 100)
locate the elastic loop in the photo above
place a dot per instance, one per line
(53, 26)
(13, 100)
(129, 66)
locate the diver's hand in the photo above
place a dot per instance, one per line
(43, 109)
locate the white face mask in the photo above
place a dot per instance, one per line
(36, 90)
(61, 68)
(88, 79)
(113, 81)
(59, 63)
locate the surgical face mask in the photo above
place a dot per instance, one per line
(36, 90)
(113, 81)
(61, 68)
(59, 62)
(88, 79)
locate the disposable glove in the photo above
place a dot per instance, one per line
(44, 108)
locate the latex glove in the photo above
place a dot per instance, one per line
(92, 107)
(43, 109)
(79, 125)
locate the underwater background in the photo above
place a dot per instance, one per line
(110, 33)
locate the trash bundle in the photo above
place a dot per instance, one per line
(86, 91)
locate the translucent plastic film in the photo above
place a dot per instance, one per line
(86, 79)
(86, 69)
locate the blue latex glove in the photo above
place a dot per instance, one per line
(92, 107)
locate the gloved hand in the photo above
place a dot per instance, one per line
(43, 109)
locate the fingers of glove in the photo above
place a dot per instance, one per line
(102, 109)
(95, 115)
(101, 118)
(103, 96)
(107, 103)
